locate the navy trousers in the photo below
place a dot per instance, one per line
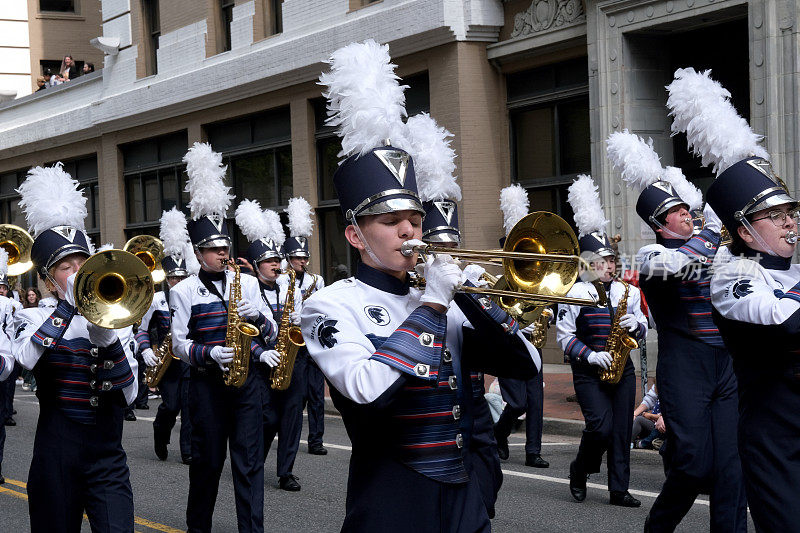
(283, 415)
(523, 396)
(174, 387)
(698, 394)
(315, 387)
(76, 468)
(226, 417)
(608, 411)
(141, 396)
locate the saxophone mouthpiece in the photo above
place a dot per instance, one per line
(791, 236)
(408, 248)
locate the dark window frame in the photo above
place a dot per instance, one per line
(226, 17)
(152, 24)
(74, 3)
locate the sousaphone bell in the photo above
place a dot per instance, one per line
(18, 243)
(113, 289)
(151, 251)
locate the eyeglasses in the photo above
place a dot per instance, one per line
(779, 217)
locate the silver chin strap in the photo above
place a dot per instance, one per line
(669, 232)
(758, 238)
(367, 247)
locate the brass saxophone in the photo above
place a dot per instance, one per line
(539, 335)
(163, 352)
(239, 333)
(619, 343)
(290, 340)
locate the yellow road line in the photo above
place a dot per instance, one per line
(136, 519)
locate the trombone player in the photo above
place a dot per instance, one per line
(85, 375)
(584, 334)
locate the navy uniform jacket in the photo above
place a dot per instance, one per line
(74, 375)
(157, 317)
(200, 318)
(583, 330)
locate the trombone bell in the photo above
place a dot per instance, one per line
(151, 252)
(17, 243)
(113, 289)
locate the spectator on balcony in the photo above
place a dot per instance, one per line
(68, 70)
(88, 68)
(41, 83)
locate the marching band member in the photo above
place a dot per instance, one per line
(696, 384)
(583, 334)
(296, 251)
(6, 359)
(179, 263)
(86, 375)
(221, 415)
(8, 388)
(521, 396)
(389, 351)
(753, 293)
(283, 409)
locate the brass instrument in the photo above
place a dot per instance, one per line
(154, 374)
(113, 289)
(290, 340)
(18, 243)
(540, 264)
(542, 324)
(619, 344)
(239, 333)
(151, 251)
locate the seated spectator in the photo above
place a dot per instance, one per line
(88, 68)
(41, 83)
(645, 418)
(68, 70)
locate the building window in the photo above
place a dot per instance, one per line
(154, 181)
(226, 17)
(275, 17)
(549, 119)
(258, 153)
(152, 28)
(62, 6)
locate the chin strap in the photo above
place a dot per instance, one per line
(668, 231)
(367, 247)
(757, 236)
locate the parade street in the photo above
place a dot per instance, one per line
(530, 499)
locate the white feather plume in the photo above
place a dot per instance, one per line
(514, 203)
(701, 107)
(50, 198)
(434, 159)
(173, 233)
(207, 191)
(634, 158)
(251, 220)
(192, 264)
(3, 263)
(300, 223)
(275, 228)
(686, 190)
(365, 101)
(105, 247)
(584, 197)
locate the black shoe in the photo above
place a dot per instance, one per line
(290, 483)
(624, 499)
(130, 416)
(186, 459)
(535, 460)
(317, 449)
(577, 482)
(502, 445)
(160, 447)
(143, 407)
(10, 422)
(14, 412)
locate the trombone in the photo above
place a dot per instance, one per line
(540, 260)
(113, 289)
(151, 251)
(18, 244)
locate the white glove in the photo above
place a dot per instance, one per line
(222, 355)
(629, 322)
(101, 337)
(69, 292)
(601, 359)
(442, 277)
(712, 220)
(247, 310)
(529, 329)
(271, 358)
(473, 273)
(149, 357)
(295, 318)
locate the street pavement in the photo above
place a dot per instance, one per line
(530, 499)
